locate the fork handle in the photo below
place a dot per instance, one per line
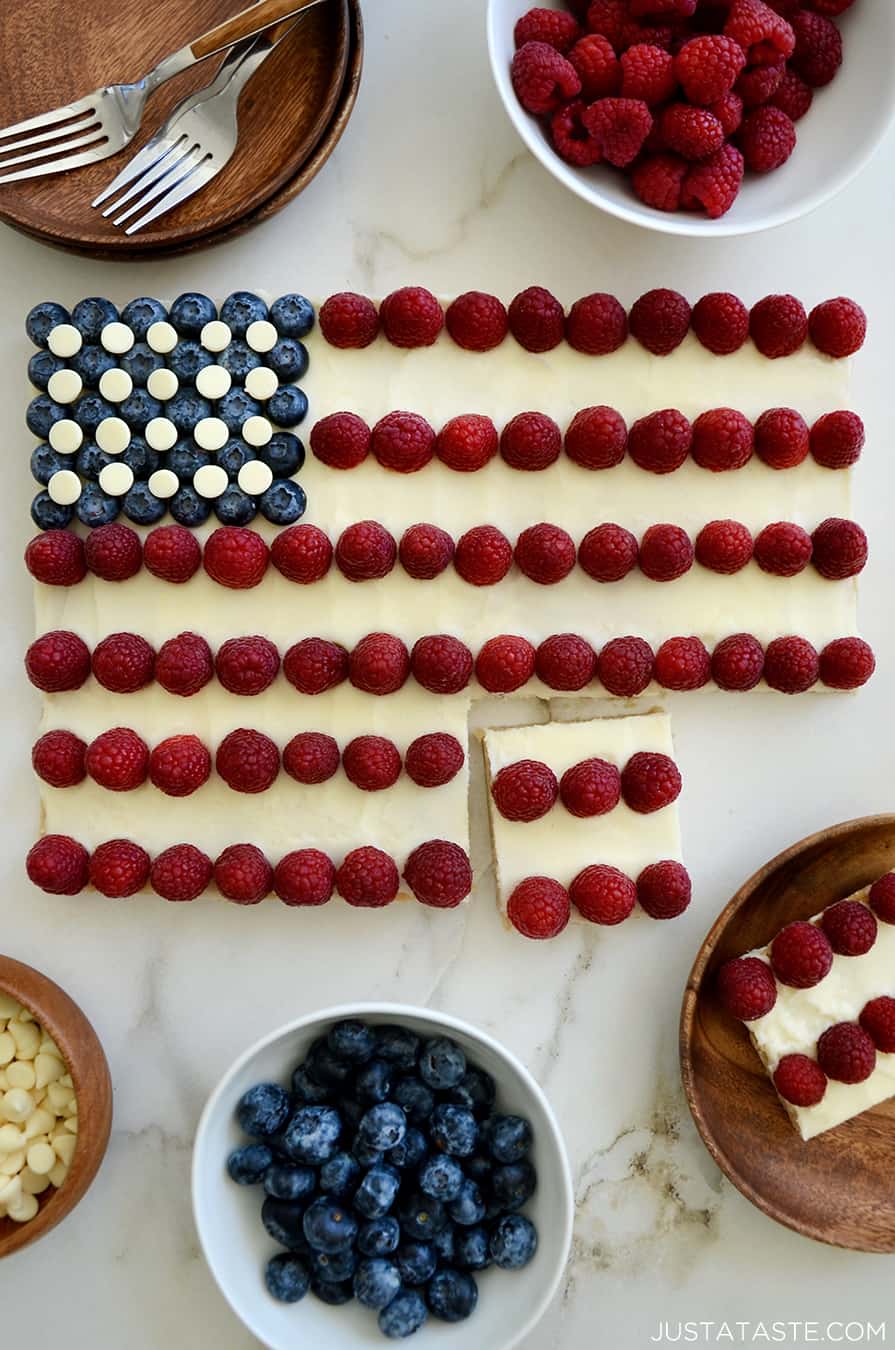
(251, 21)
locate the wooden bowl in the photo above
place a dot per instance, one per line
(86, 1062)
(836, 1188)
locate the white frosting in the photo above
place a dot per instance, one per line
(211, 433)
(117, 338)
(65, 340)
(210, 481)
(116, 385)
(261, 383)
(116, 479)
(113, 435)
(162, 336)
(161, 433)
(66, 436)
(163, 384)
(262, 336)
(213, 381)
(163, 483)
(256, 431)
(255, 477)
(215, 336)
(64, 487)
(64, 386)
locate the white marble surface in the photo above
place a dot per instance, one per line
(431, 185)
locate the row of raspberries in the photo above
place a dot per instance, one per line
(381, 664)
(684, 95)
(596, 324)
(247, 760)
(437, 872)
(540, 907)
(528, 789)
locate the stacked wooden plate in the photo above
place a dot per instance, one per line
(292, 114)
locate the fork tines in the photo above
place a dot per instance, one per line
(163, 174)
(62, 139)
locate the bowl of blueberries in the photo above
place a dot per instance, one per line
(377, 1172)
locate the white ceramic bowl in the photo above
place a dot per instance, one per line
(236, 1246)
(836, 138)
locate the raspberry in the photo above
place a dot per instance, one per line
(341, 440)
(58, 865)
(666, 553)
(783, 549)
(365, 551)
(545, 553)
(660, 442)
(721, 322)
(793, 96)
(597, 325)
(837, 439)
(619, 126)
(738, 662)
(652, 9)
(830, 7)
(425, 551)
(483, 556)
(243, 874)
(184, 664)
(755, 86)
(800, 1080)
(113, 552)
(747, 988)
(597, 67)
(565, 662)
(57, 662)
(647, 73)
(247, 665)
(441, 663)
(882, 898)
(611, 18)
(658, 179)
(591, 788)
(683, 663)
(58, 758)
(660, 320)
(543, 78)
(767, 139)
(371, 763)
(434, 759)
(302, 553)
(466, 443)
(539, 908)
(304, 877)
(778, 325)
(840, 549)
(311, 757)
(850, 926)
(801, 955)
(846, 663)
(119, 868)
(603, 895)
(172, 553)
(181, 873)
(248, 761)
(368, 878)
(707, 67)
(553, 26)
(379, 664)
(571, 139)
(781, 438)
(525, 790)
(625, 666)
(478, 321)
(403, 441)
(714, 183)
(505, 663)
(411, 317)
(235, 557)
(608, 552)
(348, 320)
(123, 663)
(692, 132)
(838, 327)
(724, 546)
(439, 874)
(722, 439)
(537, 320)
(846, 1053)
(818, 48)
(729, 112)
(649, 782)
(790, 665)
(530, 441)
(664, 889)
(179, 765)
(878, 1020)
(56, 558)
(596, 438)
(763, 35)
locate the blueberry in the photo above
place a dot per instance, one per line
(454, 1129)
(188, 508)
(284, 455)
(283, 503)
(514, 1242)
(282, 1219)
(376, 1282)
(327, 1067)
(442, 1063)
(508, 1138)
(288, 406)
(479, 1170)
(417, 1262)
(238, 358)
(352, 1110)
(95, 507)
(379, 1237)
(45, 461)
(90, 411)
(90, 316)
(307, 1089)
(287, 1278)
(191, 312)
(235, 408)
(376, 1194)
(513, 1184)
(42, 412)
(441, 1177)
(42, 319)
(240, 309)
(411, 1151)
(186, 409)
(312, 1134)
(329, 1226)
(292, 315)
(187, 359)
(290, 1183)
(351, 1040)
(421, 1216)
(248, 1165)
(141, 314)
(340, 1175)
(334, 1267)
(395, 1044)
(142, 506)
(468, 1207)
(373, 1082)
(471, 1249)
(140, 457)
(140, 362)
(235, 507)
(42, 366)
(234, 455)
(366, 1156)
(139, 408)
(91, 363)
(186, 458)
(445, 1243)
(288, 359)
(452, 1295)
(383, 1126)
(49, 515)
(263, 1110)
(415, 1099)
(476, 1091)
(403, 1316)
(331, 1292)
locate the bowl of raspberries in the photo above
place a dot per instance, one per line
(377, 1172)
(716, 117)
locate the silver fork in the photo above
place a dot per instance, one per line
(103, 123)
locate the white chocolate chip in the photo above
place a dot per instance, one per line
(215, 336)
(117, 338)
(20, 1074)
(3, 1083)
(48, 1067)
(11, 1191)
(261, 383)
(164, 483)
(11, 1138)
(256, 431)
(66, 1080)
(211, 433)
(163, 384)
(16, 1105)
(41, 1158)
(64, 1144)
(58, 1097)
(58, 1174)
(116, 479)
(255, 477)
(12, 1163)
(24, 1015)
(9, 1007)
(24, 1209)
(262, 336)
(27, 1038)
(116, 385)
(66, 437)
(113, 435)
(161, 433)
(213, 382)
(40, 1122)
(162, 337)
(32, 1182)
(64, 488)
(71, 1124)
(49, 1047)
(64, 386)
(65, 340)
(210, 481)
(7, 1048)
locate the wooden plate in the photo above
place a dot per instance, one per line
(86, 1061)
(836, 1188)
(284, 111)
